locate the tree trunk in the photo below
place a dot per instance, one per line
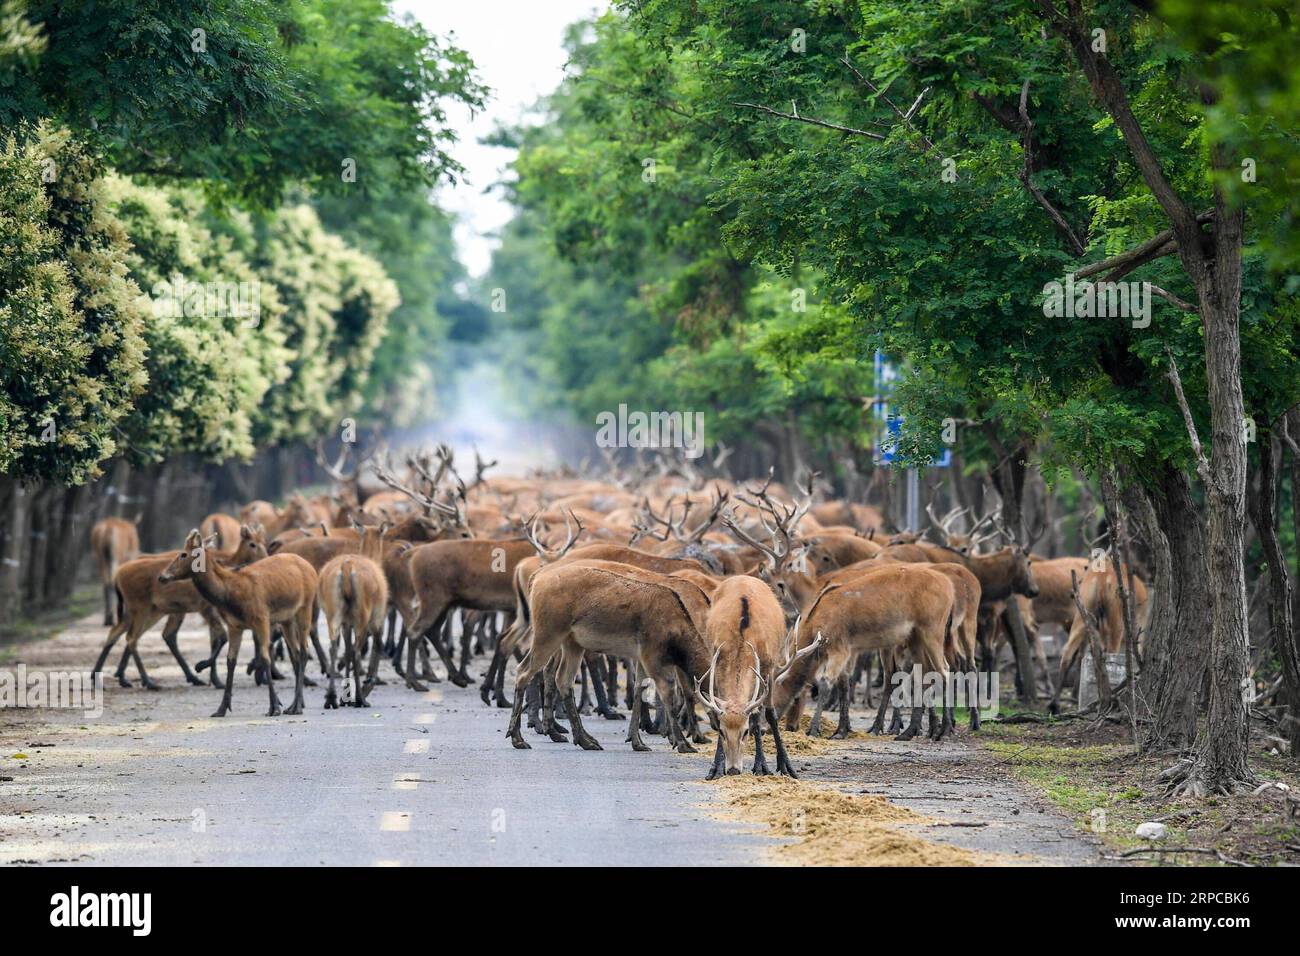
(1177, 645)
(1264, 515)
(1222, 762)
(14, 551)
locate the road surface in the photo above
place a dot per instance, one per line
(416, 779)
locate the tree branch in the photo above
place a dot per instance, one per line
(811, 121)
(1158, 246)
(1027, 142)
(1202, 465)
(1108, 88)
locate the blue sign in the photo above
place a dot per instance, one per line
(887, 448)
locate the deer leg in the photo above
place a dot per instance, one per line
(671, 730)
(297, 648)
(327, 667)
(376, 651)
(584, 705)
(116, 631)
(391, 631)
(489, 679)
(823, 693)
(232, 658)
(523, 681)
(914, 725)
(760, 762)
(499, 689)
(611, 677)
(637, 707)
(262, 639)
(396, 654)
(169, 638)
(878, 724)
(146, 681)
(783, 764)
(599, 686)
(120, 673)
(549, 692)
(719, 762)
(331, 692)
(453, 674)
(580, 735)
(411, 680)
(216, 641)
(466, 636)
(109, 603)
(354, 657)
(842, 728)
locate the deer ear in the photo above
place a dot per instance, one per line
(245, 532)
(212, 541)
(193, 539)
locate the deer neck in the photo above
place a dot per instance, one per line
(994, 573)
(214, 584)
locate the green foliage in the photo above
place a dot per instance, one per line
(266, 95)
(209, 367)
(71, 350)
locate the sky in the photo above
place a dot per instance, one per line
(517, 46)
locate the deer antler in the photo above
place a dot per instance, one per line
(480, 466)
(818, 643)
(711, 702)
(720, 500)
(773, 555)
(554, 554)
(430, 505)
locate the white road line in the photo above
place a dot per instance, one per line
(394, 821)
(415, 747)
(433, 696)
(387, 863)
(423, 719)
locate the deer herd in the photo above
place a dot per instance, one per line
(739, 601)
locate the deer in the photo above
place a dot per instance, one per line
(353, 592)
(224, 527)
(607, 608)
(114, 541)
(279, 589)
(745, 628)
(961, 650)
(1097, 593)
(143, 600)
(895, 608)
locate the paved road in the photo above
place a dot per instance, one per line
(415, 779)
(421, 779)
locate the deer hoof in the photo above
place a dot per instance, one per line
(521, 744)
(590, 743)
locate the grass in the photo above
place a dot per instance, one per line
(1084, 768)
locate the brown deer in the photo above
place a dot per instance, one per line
(114, 541)
(607, 608)
(144, 600)
(894, 608)
(745, 629)
(279, 589)
(224, 527)
(1098, 595)
(353, 592)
